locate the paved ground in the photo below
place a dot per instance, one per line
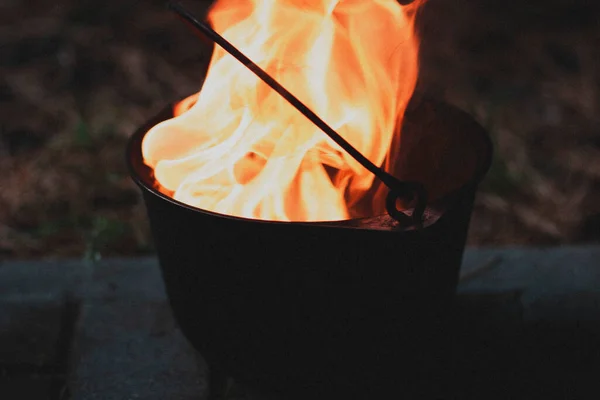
(71, 330)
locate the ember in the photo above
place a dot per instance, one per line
(238, 148)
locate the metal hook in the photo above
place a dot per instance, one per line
(413, 192)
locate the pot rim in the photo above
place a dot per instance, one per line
(432, 213)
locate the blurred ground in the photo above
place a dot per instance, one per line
(77, 78)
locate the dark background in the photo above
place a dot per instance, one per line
(78, 77)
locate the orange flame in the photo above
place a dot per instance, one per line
(238, 148)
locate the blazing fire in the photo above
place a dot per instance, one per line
(238, 148)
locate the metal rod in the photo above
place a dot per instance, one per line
(400, 189)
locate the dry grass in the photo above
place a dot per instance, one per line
(77, 78)
(529, 73)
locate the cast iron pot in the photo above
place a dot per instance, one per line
(347, 309)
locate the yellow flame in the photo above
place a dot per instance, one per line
(240, 149)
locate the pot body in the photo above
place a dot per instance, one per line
(312, 309)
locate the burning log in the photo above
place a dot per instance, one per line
(303, 285)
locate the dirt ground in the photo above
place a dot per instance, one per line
(78, 77)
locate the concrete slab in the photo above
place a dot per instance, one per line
(133, 351)
(555, 284)
(528, 317)
(128, 345)
(35, 338)
(119, 279)
(22, 281)
(37, 317)
(29, 332)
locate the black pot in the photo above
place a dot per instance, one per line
(325, 310)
